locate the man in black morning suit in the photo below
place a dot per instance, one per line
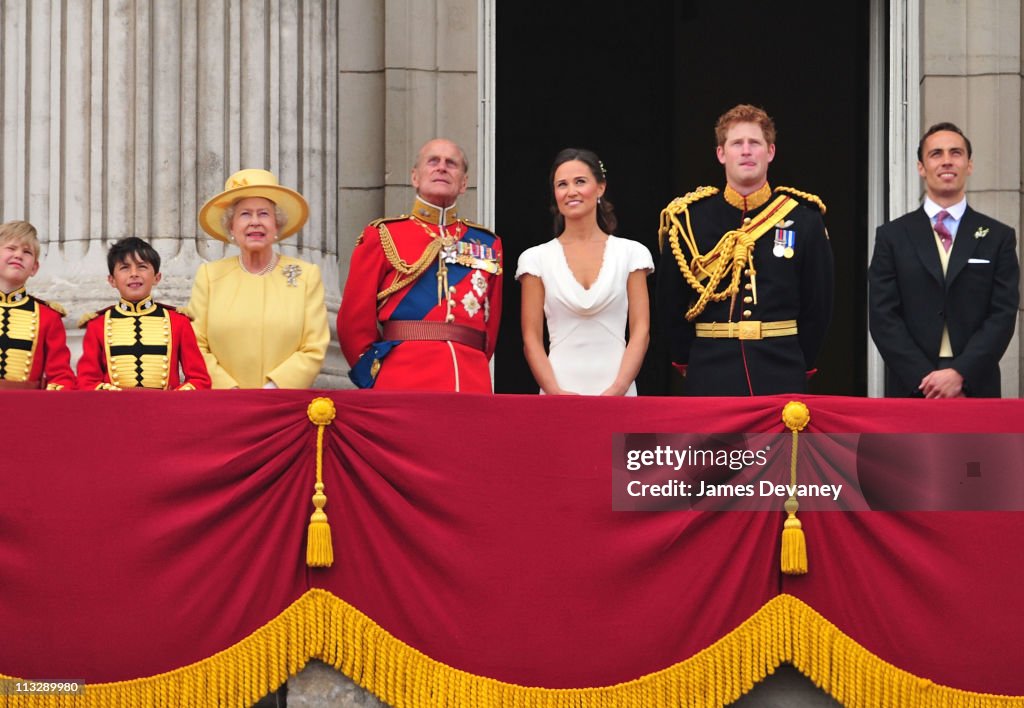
(942, 315)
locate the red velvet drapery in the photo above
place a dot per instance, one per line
(141, 532)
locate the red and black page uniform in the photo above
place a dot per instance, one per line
(140, 345)
(422, 303)
(764, 337)
(33, 346)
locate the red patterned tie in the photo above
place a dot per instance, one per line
(942, 231)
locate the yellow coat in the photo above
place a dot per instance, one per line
(253, 329)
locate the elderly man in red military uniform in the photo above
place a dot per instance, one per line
(422, 303)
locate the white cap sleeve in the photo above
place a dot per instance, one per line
(529, 263)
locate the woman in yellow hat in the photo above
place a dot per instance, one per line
(259, 317)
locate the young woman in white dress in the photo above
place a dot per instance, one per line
(589, 285)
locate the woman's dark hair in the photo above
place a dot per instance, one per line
(606, 220)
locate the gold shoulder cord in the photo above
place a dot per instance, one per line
(711, 266)
(812, 198)
(733, 252)
(406, 273)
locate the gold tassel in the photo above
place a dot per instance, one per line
(794, 545)
(319, 553)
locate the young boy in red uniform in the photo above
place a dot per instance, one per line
(33, 347)
(138, 343)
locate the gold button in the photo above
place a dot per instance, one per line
(747, 313)
(746, 220)
(748, 299)
(748, 286)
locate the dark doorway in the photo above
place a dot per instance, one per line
(642, 86)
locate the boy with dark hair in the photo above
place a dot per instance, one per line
(33, 347)
(138, 343)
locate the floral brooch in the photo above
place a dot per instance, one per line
(292, 273)
(982, 232)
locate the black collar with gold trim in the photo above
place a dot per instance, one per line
(425, 211)
(135, 309)
(15, 297)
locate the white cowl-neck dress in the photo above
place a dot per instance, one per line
(586, 326)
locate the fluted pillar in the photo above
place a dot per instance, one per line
(121, 117)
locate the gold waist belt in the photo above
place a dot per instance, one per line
(748, 329)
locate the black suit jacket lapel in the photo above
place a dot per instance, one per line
(923, 239)
(963, 245)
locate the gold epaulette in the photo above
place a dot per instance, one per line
(806, 196)
(88, 317)
(679, 205)
(475, 225)
(376, 224)
(55, 306)
(385, 219)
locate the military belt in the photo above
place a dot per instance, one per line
(412, 330)
(748, 329)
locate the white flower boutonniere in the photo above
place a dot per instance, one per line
(982, 232)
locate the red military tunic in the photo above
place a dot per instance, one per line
(401, 271)
(33, 347)
(141, 345)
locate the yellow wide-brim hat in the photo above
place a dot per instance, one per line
(254, 183)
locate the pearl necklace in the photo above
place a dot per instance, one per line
(262, 271)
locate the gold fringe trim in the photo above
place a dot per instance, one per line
(322, 626)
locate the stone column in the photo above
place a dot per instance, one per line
(971, 75)
(121, 118)
(361, 125)
(431, 84)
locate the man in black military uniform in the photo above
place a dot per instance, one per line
(745, 283)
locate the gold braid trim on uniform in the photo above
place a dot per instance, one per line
(406, 273)
(812, 198)
(732, 254)
(669, 224)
